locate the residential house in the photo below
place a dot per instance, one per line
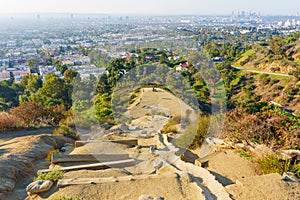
(182, 67)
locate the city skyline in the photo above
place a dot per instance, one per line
(155, 7)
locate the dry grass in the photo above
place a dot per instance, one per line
(8, 122)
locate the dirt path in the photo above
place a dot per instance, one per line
(159, 101)
(261, 72)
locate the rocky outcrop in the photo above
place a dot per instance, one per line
(17, 157)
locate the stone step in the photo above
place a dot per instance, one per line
(61, 158)
(128, 142)
(103, 165)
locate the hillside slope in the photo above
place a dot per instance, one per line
(281, 55)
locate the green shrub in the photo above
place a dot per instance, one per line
(195, 134)
(66, 131)
(274, 81)
(291, 91)
(256, 63)
(243, 153)
(265, 79)
(51, 176)
(274, 164)
(170, 126)
(275, 69)
(169, 129)
(250, 87)
(279, 87)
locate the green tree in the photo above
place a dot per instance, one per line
(34, 83)
(277, 45)
(59, 66)
(54, 92)
(163, 58)
(103, 107)
(33, 65)
(9, 94)
(70, 75)
(103, 86)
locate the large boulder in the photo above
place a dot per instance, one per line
(18, 156)
(39, 186)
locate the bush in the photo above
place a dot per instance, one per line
(66, 131)
(256, 63)
(243, 153)
(279, 87)
(275, 69)
(31, 113)
(270, 126)
(291, 91)
(274, 164)
(8, 122)
(195, 134)
(170, 126)
(274, 81)
(265, 79)
(51, 176)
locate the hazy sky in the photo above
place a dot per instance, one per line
(150, 6)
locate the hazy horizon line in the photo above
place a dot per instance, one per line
(141, 14)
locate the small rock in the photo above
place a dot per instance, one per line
(39, 186)
(150, 197)
(63, 149)
(290, 154)
(240, 146)
(157, 164)
(214, 141)
(290, 177)
(152, 149)
(124, 127)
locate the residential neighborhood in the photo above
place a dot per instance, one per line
(67, 41)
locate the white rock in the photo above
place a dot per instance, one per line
(39, 186)
(215, 141)
(157, 164)
(290, 177)
(289, 154)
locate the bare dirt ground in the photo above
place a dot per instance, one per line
(229, 167)
(159, 100)
(268, 187)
